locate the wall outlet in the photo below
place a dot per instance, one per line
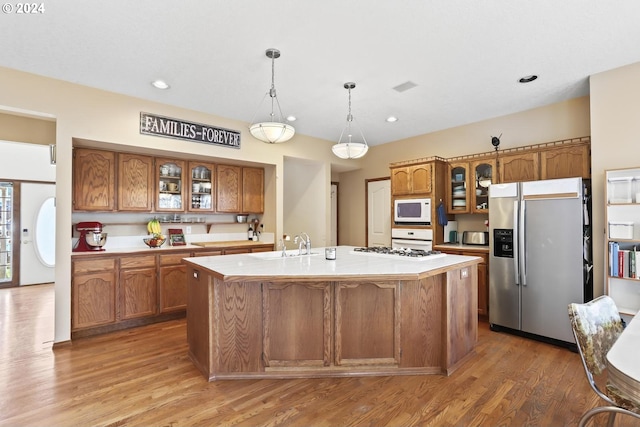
(188, 229)
(464, 273)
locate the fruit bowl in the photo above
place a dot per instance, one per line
(154, 242)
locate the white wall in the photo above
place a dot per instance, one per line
(615, 144)
(306, 207)
(26, 162)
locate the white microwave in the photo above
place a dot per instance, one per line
(412, 211)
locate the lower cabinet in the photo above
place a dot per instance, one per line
(109, 293)
(483, 276)
(288, 342)
(367, 324)
(93, 294)
(173, 284)
(298, 319)
(138, 287)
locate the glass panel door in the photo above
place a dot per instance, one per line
(6, 232)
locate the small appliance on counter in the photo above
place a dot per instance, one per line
(475, 238)
(91, 237)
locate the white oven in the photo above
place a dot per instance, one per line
(412, 211)
(412, 238)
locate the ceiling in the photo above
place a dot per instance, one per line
(465, 57)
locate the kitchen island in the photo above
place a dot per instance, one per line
(263, 315)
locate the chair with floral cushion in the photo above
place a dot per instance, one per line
(596, 326)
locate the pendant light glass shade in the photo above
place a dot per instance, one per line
(351, 148)
(274, 130)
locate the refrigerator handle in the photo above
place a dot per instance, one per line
(522, 243)
(516, 259)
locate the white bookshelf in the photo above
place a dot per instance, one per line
(622, 220)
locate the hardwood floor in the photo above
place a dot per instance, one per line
(143, 377)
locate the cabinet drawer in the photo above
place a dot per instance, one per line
(208, 253)
(138, 261)
(262, 249)
(173, 259)
(481, 255)
(237, 251)
(88, 266)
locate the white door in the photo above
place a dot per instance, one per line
(379, 213)
(37, 233)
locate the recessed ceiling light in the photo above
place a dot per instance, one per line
(392, 119)
(291, 118)
(160, 84)
(528, 79)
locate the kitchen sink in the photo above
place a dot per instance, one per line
(293, 253)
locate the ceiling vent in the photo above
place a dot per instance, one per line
(405, 86)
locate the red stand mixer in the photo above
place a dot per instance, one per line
(91, 237)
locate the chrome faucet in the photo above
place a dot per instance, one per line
(284, 247)
(303, 238)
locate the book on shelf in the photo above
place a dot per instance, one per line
(623, 262)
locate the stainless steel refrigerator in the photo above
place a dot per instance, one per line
(540, 259)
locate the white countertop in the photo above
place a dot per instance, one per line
(623, 356)
(268, 264)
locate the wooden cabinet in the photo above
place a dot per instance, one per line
(622, 239)
(519, 167)
(367, 324)
(201, 187)
(229, 188)
(468, 186)
(94, 180)
(482, 176)
(458, 188)
(252, 190)
(138, 287)
(173, 282)
(566, 162)
(239, 189)
(287, 341)
(135, 183)
(412, 179)
(171, 185)
(93, 293)
(483, 275)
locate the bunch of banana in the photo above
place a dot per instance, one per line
(153, 227)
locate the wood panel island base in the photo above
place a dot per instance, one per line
(261, 315)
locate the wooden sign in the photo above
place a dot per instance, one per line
(151, 124)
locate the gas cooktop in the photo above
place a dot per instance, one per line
(405, 253)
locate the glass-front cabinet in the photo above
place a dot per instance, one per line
(201, 188)
(170, 179)
(457, 188)
(6, 232)
(483, 175)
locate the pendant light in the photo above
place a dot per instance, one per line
(350, 148)
(274, 130)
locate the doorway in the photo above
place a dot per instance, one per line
(37, 233)
(379, 212)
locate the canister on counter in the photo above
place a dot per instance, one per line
(330, 253)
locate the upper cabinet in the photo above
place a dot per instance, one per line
(239, 189)
(566, 162)
(94, 177)
(170, 178)
(201, 187)
(468, 186)
(483, 175)
(457, 186)
(229, 188)
(520, 166)
(410, 180)
(546, 161)
(135, 182)
(252, 190)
